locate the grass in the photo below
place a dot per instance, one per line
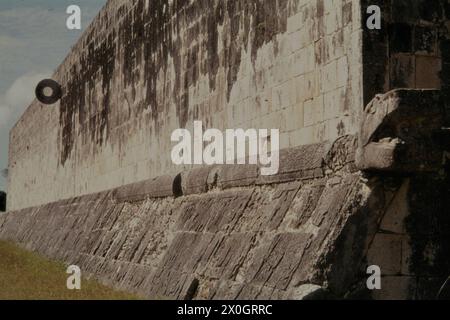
(25, 275)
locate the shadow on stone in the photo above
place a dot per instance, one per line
(2, 201)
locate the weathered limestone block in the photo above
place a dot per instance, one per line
(214, 213)
(195, 180)
(341, 154)
(237, 175)
(158, 187)
(305, 162)
(276, 264)
(386, 252)
(309, 292)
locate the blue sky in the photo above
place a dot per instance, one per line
(33, 42)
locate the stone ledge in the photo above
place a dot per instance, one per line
(159, 187)
(300, 163)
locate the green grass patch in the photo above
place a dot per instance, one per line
(25, 275)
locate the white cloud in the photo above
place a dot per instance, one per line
(18, 97)
(7, 42)
(36, 38)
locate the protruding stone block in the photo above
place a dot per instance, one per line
(403, 131)
(159, 187)
(305, 162)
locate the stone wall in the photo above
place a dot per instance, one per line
(145, 68)
(226, 235)
(412, 48)
(225, 232)
(340, 202)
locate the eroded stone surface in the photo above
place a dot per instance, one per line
(248, 241)
(146, 68)
(251, 241)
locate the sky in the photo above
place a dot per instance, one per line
(34, 40)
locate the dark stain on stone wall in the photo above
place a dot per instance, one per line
(2, 201)
(445, 74)
(428, 225)
(143, 41)
(409, 48)
(375, 52)
(79, 103)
